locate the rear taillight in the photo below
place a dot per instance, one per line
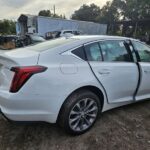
(22, 74)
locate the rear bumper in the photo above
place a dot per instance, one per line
(28, 117)
(25, 109)
(4, 117)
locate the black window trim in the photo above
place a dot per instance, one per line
(101, 51)
(102, 40)
(129, 50)
(71, 53)
(136, 51)
(81, 46)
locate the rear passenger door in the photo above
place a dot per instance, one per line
(114, 68)
(144, 64)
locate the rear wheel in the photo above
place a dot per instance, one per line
(79, 112)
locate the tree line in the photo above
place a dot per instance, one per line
(111, 12)
(117, 11)
(114, 11)
(7, 27)
(48, 13)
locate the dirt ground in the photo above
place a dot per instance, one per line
(125, 128)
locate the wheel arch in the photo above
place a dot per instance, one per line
(91, 88)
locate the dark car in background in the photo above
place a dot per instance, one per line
(9, 42)
(33, 39)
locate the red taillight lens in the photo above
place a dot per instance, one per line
(22, 74)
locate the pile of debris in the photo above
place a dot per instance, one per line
(9, 42)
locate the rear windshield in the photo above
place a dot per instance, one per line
(50, 44)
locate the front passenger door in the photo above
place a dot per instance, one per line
(144, 64)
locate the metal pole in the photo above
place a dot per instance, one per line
(54, 10)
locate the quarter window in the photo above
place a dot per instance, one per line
(143, 50)
(93, 52)
(79, 52)
(114, 51)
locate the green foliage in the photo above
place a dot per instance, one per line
(7, 27)
(114, 11)
(87, 13)
(135, 9)
(110, 12)
(117, 10)
(47, 13)
(130, 9)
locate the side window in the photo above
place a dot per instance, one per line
(93, 52)
(143, 50)
(79, 52)
(67, 32)
(114, 51)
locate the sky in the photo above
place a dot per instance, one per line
(11, 9)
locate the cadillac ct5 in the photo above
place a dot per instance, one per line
(72, 80)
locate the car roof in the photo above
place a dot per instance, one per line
(70, 30)
(98, 37)
(71, 42)
(83, 39)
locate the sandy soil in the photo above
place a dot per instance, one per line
(125, 128)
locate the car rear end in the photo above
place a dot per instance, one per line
(25, 93)
(36, 80)
(17, 99)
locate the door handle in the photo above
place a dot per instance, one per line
(147, 71)
(104, 72)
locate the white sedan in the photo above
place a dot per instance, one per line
(72, 80)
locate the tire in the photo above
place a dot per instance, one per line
(74, 117)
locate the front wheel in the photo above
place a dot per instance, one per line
(79, 112)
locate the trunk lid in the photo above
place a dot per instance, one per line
(12, 58)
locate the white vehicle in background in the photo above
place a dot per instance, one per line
(63, 33)
(72, 80)
(71, 32)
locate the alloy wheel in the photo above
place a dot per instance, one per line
(83, 114)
